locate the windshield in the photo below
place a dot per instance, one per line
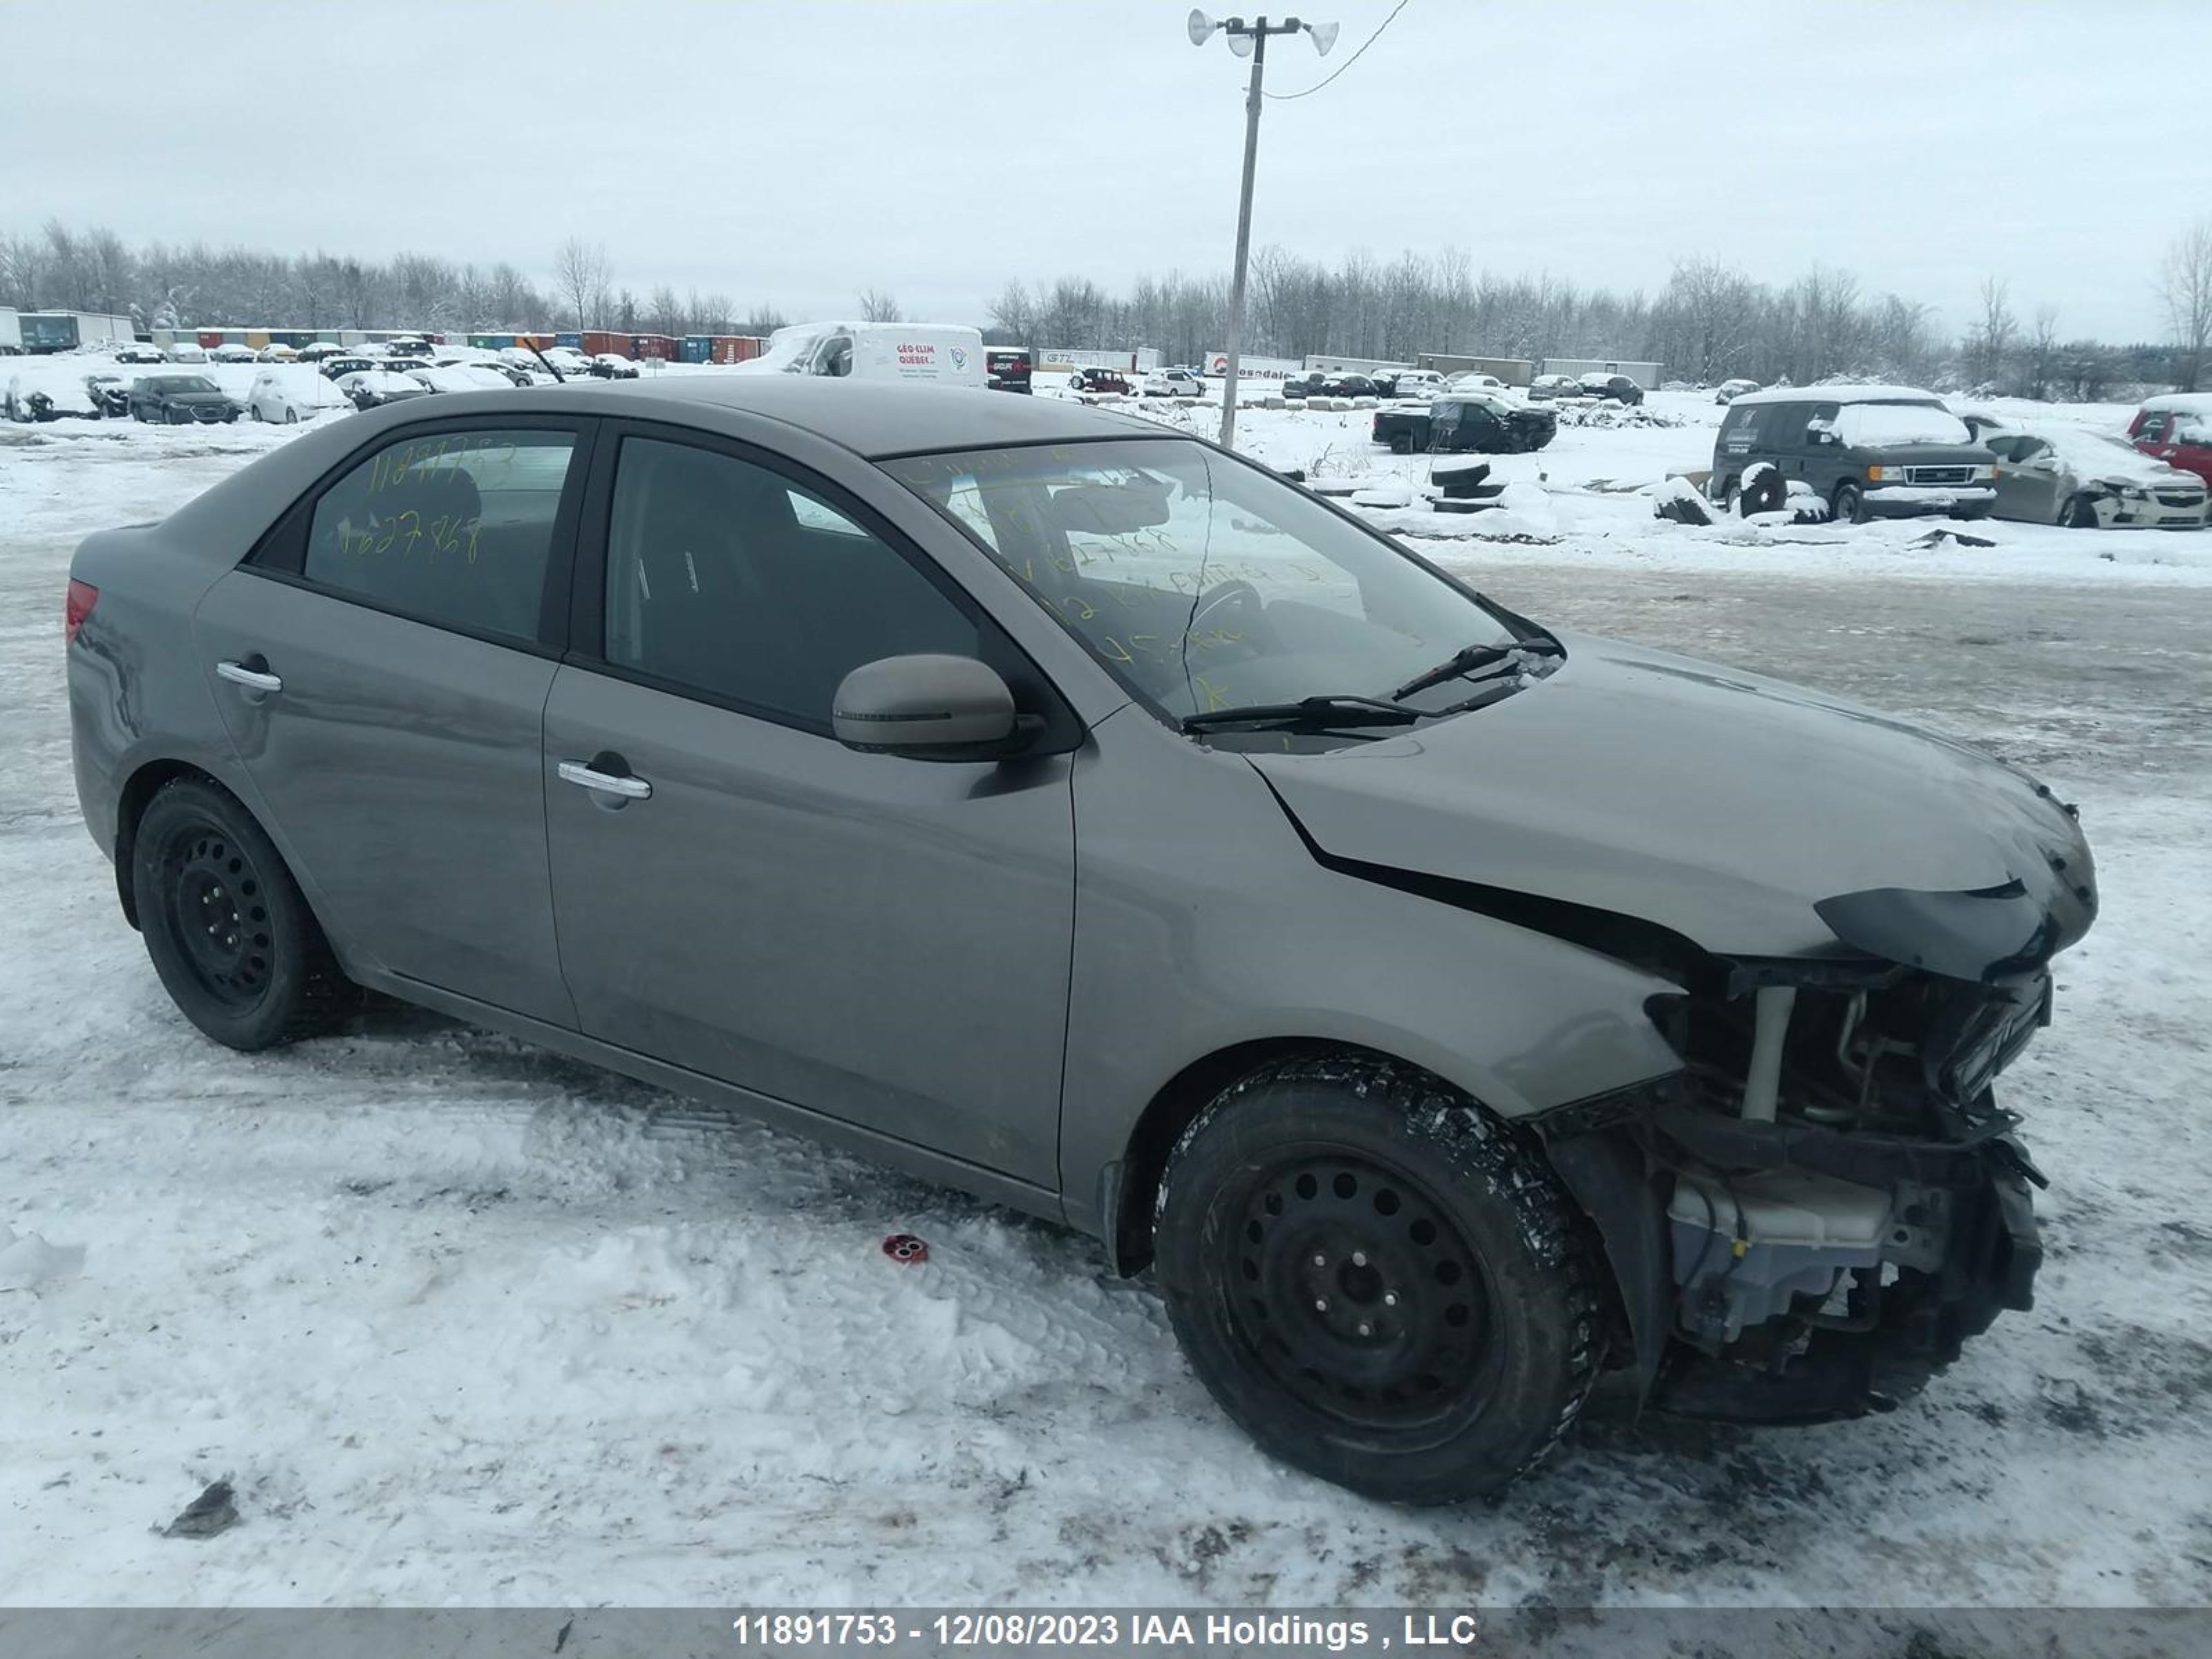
(1874, 425)
(1201, 581)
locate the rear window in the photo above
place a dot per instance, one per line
(455, 528)
(1875, 426)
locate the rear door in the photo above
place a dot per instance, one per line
(880, 940)
(382, 662)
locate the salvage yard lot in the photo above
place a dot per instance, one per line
(462, 1319)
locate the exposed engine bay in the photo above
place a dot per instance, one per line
(1841, 1202)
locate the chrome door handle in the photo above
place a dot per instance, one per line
(253, 679)
(582, 774)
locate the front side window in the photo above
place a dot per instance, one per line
(1203, 582)
(455, 528)
(725, 578)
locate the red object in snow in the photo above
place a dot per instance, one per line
(906, 1249)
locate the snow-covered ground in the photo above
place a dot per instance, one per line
(466, 1322)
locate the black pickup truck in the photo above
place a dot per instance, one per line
(1448, 425)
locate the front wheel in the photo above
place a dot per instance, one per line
(2081, 514)
(229, 933)
(1378, 1280)
(1848, 504)
(291, 417)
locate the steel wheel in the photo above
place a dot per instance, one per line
(217, 914)
(1363, 1300)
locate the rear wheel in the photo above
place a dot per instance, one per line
(1379, 1282)
(233, 940)
(1849, 503)
(1402, 443)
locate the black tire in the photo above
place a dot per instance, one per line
(2081, 514)
(1848, 503)
(235, 944)
(1402, 443)
(1377, 1280)
(291, 416)
(255, 410)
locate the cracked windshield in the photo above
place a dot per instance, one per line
(1206, 584)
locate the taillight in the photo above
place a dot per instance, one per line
(83, 596)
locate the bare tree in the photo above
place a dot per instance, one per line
(879, 306)
(580, 270)
(2185, 285)
(1988, 342)
(2039, 356)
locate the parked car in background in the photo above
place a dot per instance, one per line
(288, 393)
(369, 387)
(110, 394)
(1173, 383)
(178, 399)
(2177, 429)
(1410, 383)
(1099, 382)
(1617, 1014)
(1348, 385)
(338, 367)
(1868, 451)
(323, 350)
(232, 351)
(613, 366)
(1728, 390)
(507, 372)
(1303, 385)
(186, 351)
(39, 400)
(2057, 472)
(1475, 381)
(1009, 368)
(1546, 387)
(462, 377)
(567, 360)
(403, 364)
(276, 354)
(139, 352)
(1618, 387)
(1455, 423)
(915, 354)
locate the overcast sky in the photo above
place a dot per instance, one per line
(791, 153)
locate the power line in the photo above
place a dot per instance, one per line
(1285, 97)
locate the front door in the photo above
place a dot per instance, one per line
(880, 940)
(382, 663)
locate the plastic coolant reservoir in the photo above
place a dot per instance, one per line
(1784, 1208)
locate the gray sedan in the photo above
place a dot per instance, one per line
(1450, 1009)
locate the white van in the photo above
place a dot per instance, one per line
(928, 354)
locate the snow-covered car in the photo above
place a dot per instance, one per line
(232, 351)
(506, 371)
(277, 354)
(184, 351)
(321, 351)
(337, 367)
(139, 352)
(1472, 380)
(2177, 427)
(2056, 473)
(1618, 387)
(33, 398)
(110, 394)
(369, 387)
(1547, 387)
(613, 366)
(1415, 383)
(568, 359)
(1728, 390)
(403, 364)
(1172, 383)
(461, 377)
(288, 393)
(180, 400)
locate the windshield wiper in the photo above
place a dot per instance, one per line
(1470, 658)
(1319, 712)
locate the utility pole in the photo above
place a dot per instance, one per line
(1248, 38)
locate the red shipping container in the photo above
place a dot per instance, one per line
(211, 337)
(597, 341)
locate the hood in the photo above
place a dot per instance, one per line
(1751, 818)
(197, 396)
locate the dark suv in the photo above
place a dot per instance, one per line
(180, 398)
(1618, 387)
(1098, 379)
(1868, 451)
(1490, 426)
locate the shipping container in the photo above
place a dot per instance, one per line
(651, 347)
(599, 340)
(698, 349)
(738, 348)
(257, 338)
(572, 339)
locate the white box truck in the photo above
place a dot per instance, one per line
(923, 354)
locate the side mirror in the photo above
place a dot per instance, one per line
(926, 707)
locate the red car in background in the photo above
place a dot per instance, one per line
(1098, 379)
(2178, 430)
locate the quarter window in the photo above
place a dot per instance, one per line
(455, 528)
(724, 578)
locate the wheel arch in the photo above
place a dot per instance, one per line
(138, 792)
